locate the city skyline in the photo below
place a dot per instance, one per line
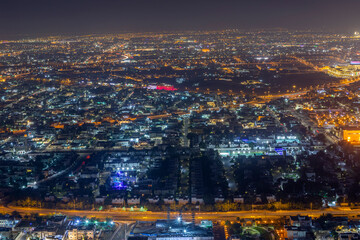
(208, 120)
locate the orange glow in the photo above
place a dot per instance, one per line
(260, 117)
(58, 126)
(18, 131)
(109, 119)
(352, 136)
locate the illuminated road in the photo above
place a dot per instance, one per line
(151, 216)
(291, 95)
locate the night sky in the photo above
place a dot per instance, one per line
(37, 17)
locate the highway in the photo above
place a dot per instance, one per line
(128, 216)
(292, 95)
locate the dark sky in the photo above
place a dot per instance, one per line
(37, 17)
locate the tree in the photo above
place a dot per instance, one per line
(15, 214)
(235, 229)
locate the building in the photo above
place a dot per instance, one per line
(295, 233)
(170, 230)
(58, 220)
(348, 71)
(5, 233)
(7, 221)
(300, 221)
(75, 232)
(350, 134)
(43, 232)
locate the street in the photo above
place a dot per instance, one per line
(127, 216)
